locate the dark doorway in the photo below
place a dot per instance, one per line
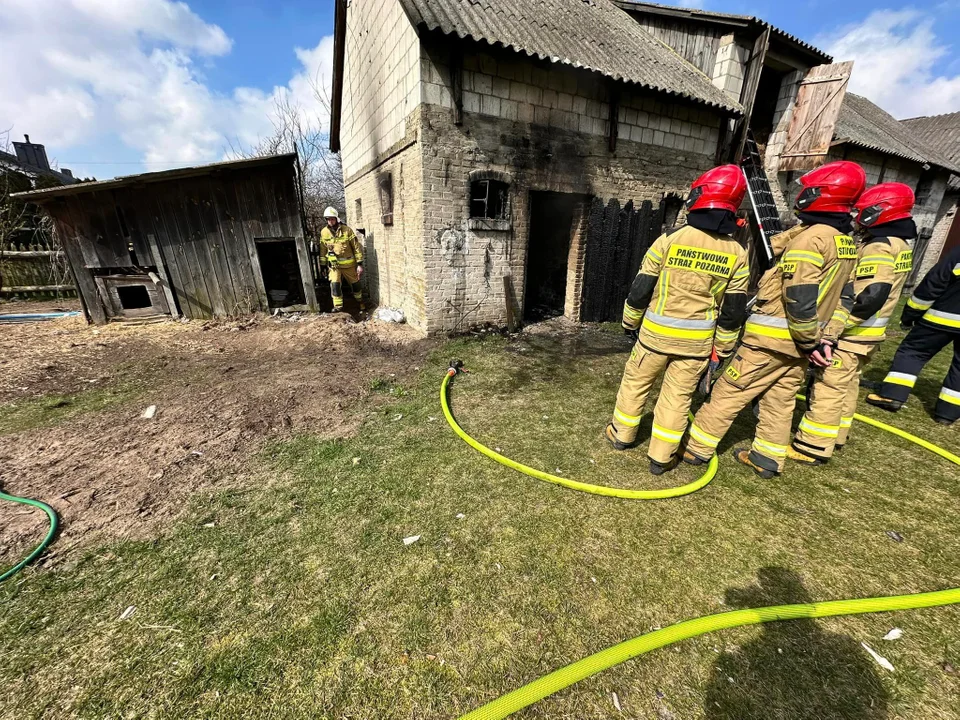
(551, 221)
(765, 105)
(280, 269)
(134, 297)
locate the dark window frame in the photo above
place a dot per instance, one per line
(385, 191)
(491, 197)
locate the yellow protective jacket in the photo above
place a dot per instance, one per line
(883, 265)
(342, 244)
(690, 294)
(797, 298)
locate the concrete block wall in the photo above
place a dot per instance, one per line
(730, 67)
(517, 89)
(394, 261)
(381, 81)
(546, 128)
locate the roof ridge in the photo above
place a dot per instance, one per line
(932, 117)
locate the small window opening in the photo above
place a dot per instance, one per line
(134, 297)
(385, 189)
(358, 214)
(488, 199)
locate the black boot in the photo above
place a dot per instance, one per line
(742, 456)
(657, 468)
(611, 435)
(884, 403)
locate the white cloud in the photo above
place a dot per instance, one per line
(124, 73)
(895, 56)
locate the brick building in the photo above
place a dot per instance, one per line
(513, 158)
(799, 112)
(478, 137)
(890, 151)
(942, 133)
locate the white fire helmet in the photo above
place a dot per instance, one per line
(331, 212)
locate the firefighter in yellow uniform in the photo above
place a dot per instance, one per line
(688, 298)
(796, 299)
(883, 264)
(342, 255)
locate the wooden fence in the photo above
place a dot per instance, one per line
(35, 269)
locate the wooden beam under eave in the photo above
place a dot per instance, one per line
(339, 51)
(614, 115)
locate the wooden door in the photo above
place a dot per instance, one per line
(815, 116)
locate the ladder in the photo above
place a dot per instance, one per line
(761, 198)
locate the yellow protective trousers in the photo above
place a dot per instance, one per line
(832, 404)
(754, 373)
(337, 276)
(680, 378)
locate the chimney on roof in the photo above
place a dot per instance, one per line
(31, 154)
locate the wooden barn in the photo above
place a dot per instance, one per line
(211, 241)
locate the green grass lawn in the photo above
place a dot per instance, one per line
(297, 598)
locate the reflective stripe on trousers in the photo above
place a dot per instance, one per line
(950, 396)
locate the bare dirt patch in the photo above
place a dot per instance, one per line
(221, 389)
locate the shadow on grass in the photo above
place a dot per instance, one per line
(795, 670)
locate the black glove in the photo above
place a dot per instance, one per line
(909, 316)
(633, 334)
(705, 386)
(822, 355)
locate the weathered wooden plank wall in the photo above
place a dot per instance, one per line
(203, 228)
(697, 44)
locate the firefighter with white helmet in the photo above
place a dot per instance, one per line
(342, 255)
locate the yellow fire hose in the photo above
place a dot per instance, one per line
(673, 492)
(605, 659)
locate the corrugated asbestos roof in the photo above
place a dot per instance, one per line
(590, 34)
(942, 133)
(155, 177)
(864, 124)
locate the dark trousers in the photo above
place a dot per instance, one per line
(916, 350)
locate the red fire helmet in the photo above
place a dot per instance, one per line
(723, 188)
(885, 203)
(833, 187)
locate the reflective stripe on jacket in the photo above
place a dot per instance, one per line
(936, 300)
(883, 266)
(684, 300)
(343, 244)
(799, 296)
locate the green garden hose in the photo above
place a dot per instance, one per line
(54, 522)
(605, 659)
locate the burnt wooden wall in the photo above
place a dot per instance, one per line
(616, 242)
(200, 230)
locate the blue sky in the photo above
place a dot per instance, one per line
(118, 87)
